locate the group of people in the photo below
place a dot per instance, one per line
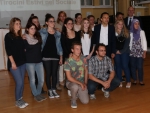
(82, 51)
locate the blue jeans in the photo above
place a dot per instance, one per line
(137, 64)
(122, 62)
(92, 85)
(18, 75)
(31, 68)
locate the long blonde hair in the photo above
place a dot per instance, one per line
(82, 28)
(124, 30)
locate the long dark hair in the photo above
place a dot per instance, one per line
(64, 29)
(37, 34)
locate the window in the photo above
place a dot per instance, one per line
(105, 2)
(86, 2)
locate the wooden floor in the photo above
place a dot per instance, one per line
(122, 100)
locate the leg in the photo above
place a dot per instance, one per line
(140, 69)
(83, 95)
(133, 64)
(91, 86)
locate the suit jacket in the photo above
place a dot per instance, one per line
(111, 47)
(134, 17)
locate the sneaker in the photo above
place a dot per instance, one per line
(25, 103)
(38, 98)
(20, 104)
(92, 96)
(43, 98)
(58, 87)
(73, 104)
(55, 93)
(69, 93)
(120, 84)
(106, 93)
(50, 94)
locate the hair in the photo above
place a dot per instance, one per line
(124, 31)
(37, 34)
(76, 15)
(61, 12)
(11, 27)
(32, 16)
(75, 43)
(64, 29)
(91, 16)
(47, 17)
(98, 45)
(82, 29)
(119, 13)
(131, 6)
(104, 13)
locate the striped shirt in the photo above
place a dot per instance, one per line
(100, 68)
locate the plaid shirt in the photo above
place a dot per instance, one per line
(100, 68)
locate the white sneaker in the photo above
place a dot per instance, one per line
(106, 93)
(50, 94)
(92, 96)
(55, 94)
(73, 104)
(69, 93)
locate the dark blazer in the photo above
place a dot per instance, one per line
(111, 47)
(134, 17)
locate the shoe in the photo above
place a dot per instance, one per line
(134, 83)
(128, 85)
(20, 104)
(50, 94)
(25, 103)
(55, 94)
(38, 98)
(92, 96)
(142, 84)
(58, 87)
(62, 83)
(43, 98)
(73, 104)
(120, 84)
(69, 93)
(123, 80)
(106, 93)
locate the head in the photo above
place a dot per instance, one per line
(119, 16)
(76, 48)
(100, 50)
(15, 26)
(49, 20)
(135, 25)
(61, 17)
(78, 18)
(131, 11)
(91, 19)
(105, 18)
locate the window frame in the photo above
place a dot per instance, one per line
(85, 3)
(104, 3)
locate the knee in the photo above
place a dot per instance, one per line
(117, 81)
(74, 87)
(86, 101)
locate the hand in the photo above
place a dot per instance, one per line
(83, 86)
(24, 36)
(118, 52)
(88, 57)
(144, 55)
(13, 66)
(106, 84)
(60, 61)
(85, 61)
(112, 55)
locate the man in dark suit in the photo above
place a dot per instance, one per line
(130, 17)
(105, 33)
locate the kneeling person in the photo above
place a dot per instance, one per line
(101, 71)
(76, 73)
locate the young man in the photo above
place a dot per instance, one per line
(101, 71)
(77, 75)
(119, 16)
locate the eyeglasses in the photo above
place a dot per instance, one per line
(51, 21)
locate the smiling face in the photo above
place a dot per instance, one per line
(79, 19)
(17, 26)
(91, 20)
(36, 22)
(119, 25)
(76, 50)
(101, 52)
(105, 19)
(51, 23)
(136, 25)
(62, 17)
(86, 24)
(130, 11)
(69, 25)
(31, 30)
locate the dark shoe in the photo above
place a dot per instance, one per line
(142, 84)
(134, 83)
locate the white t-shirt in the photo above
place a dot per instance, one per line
(104, 35)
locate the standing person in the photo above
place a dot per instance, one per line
(122, 52)
(105, 33)
(138, 48)
(87, 39)
(77, 76)
(51, 53)
(91, 19)
(34, 63)
(78, 20)
(14, 46)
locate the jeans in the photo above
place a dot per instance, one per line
(51, 68)
(18, 75)
(31, 68)
(92, 85)
(137, 64)
(122, 62)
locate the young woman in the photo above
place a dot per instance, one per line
(122, 52)
(51, 53)
(88, 43)
(14, 46)
(138, 48)
(91, 19)
(34, 60)
(78, 20)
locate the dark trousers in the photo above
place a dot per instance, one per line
(51, 67)
(92, 85)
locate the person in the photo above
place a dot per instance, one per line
(78, 20)
(128, 20)
(105, 33)
(87, 39)
(14, 47)
(138, 48)
(76, 73)
(122, 52)
(51, 53)
(34, 60)
(119, 16)
(101, 72)
(60, 20)
(91, 19)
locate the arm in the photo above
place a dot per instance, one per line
(63, 44)
(144, 44)
(113, 42)
(126, 45)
